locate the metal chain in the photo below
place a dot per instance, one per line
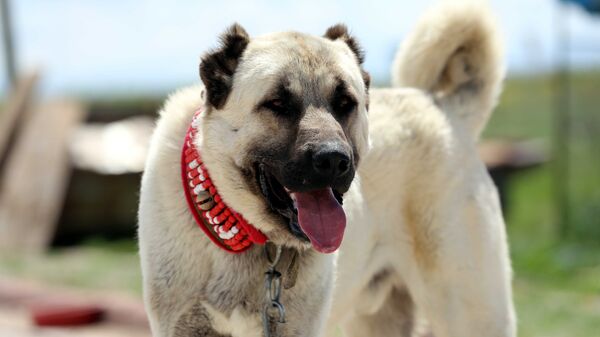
(274, 312)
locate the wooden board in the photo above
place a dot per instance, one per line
(35, 177)
(15, 107)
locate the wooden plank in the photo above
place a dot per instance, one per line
(15, 107)
(36, 177)
(502, 154)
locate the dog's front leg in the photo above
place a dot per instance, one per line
(195, 323)
(461, 277)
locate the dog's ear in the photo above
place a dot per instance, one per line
(218, 66)
(340, 32)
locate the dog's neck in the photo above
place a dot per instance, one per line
(223, 225)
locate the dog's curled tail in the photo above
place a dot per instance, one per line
(455, 54)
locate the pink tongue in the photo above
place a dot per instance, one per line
(321, 218)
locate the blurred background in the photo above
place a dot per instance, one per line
(80, 84)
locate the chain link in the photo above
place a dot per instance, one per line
(274, 312)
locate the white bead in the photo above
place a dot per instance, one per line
(198, 189)
(195, 122)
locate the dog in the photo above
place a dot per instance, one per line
(378, 215)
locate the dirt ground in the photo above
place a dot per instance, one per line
(123, 315)
(16, 323)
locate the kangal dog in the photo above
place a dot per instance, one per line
(285, 143)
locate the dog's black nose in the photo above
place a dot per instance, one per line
(330, 161)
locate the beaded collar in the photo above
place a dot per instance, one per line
(224, 226)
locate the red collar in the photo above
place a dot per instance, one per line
(226, 228)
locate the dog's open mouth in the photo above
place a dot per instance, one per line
(315, 215)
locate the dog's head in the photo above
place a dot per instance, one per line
(284, 130)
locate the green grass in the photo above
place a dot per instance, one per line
(96, 264)
(557, 278)
(545, 311)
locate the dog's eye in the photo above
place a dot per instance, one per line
(344, 104)
(276, 105)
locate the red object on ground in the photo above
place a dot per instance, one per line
(65, 315)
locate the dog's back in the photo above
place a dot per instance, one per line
(426, 233)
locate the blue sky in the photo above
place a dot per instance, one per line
(96, 47)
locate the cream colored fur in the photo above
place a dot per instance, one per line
(425, 209)
(184, 273)
(455, 54)
(425, 243)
